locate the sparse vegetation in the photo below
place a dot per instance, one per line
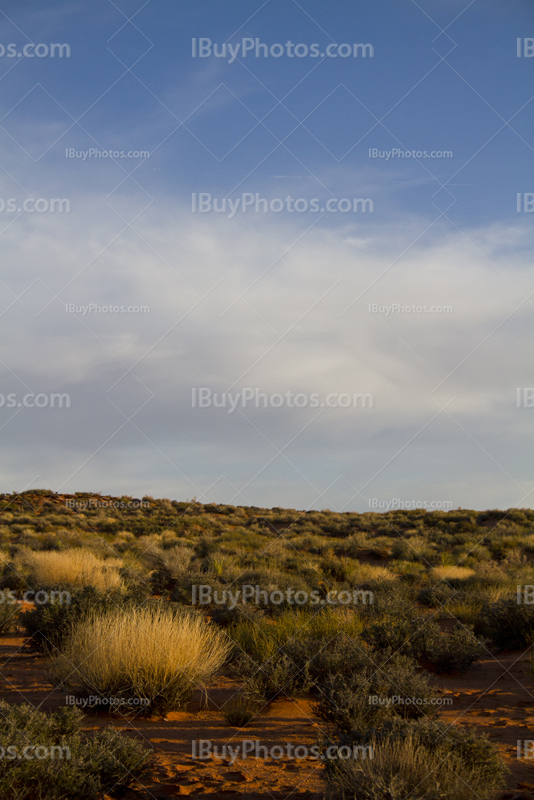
(68, 765)
(376, 602)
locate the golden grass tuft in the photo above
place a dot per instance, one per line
(363, 573)
(75, 567)
(451, 573)
(148, 653)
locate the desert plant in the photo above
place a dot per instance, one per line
(386, 687)
(149, 654)
(73, 567)
(454, 651)
(50, 624)
(405, 634)
(9, 612)
(77, 768)
(421, 767)
(507, 623)
(238, 711)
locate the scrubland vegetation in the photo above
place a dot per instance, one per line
(342, 607)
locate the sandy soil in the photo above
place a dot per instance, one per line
(495, 697)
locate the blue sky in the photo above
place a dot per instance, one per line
(278, 301)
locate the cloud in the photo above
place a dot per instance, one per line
(234, 307)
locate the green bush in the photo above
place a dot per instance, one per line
(406, 634)
(421, 760)
(9, 614)
(507, 624)
(455, 651)
(408, 768)
(80, 768)
(239, 711)
(386, 687)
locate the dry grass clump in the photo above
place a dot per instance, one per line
(74, 567)
(363, 573)
(148, 654)
(451, 573)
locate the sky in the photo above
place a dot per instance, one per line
(269, 253)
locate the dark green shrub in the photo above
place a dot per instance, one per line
(445, 751)
(278, 676)
(436, 596)
(418, 760)
(454, 651)
(507, 624)
(238, 712)
(387, 687)
(9, 613)
(79, 768)
(406, 634)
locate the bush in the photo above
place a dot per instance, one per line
(421, 762)
(238, 712)
(277, 676)
(9, 615)
(348, 704)
(507, 624)
(294, 652)
(405, 634)
(455, 651)
(428, 757)
(150, 654)
(86, 770)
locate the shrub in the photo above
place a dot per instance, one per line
(264, 681)
(74, 567)
(9, 614)
(292, 653)
(238, 712)
(421, 761)
(86, 770)
(507, 624)
(406, 634)
(348, 704)
(455, 651)
(148, 653)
